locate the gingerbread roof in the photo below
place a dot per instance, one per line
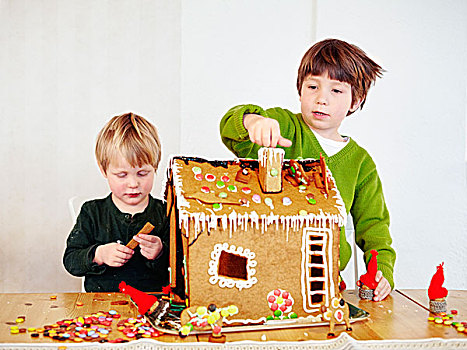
(228, 193)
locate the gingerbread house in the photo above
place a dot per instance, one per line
(259, 234)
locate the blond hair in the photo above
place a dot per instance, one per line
(132, 137)
(342, 61)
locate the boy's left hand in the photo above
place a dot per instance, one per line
(150, 246)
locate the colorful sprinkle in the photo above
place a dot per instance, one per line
(217, 206)
(246, 190)
(199, 177)
(256, 198)
(210, 177)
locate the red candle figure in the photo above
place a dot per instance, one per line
(367, 281)
(148, 305)
(436, 292)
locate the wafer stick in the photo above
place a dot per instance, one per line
(147, 228)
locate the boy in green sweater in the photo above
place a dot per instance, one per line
(333, 81)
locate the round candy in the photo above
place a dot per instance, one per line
(196, 170)
(217, 329)
(232, 188)
(271, 298)
(312, 201)
(256, 198)
(274, 306)
(210, 177)
(212, 307)
(273, 172)
(225, 178)
(205, 189)
(223, 195)
(246, 190)
(301, 188)
(277, 313)
(220, 184)
(233, 309)
(217, 206)
(224, 312)
(286, 201)
(199, 177)
(268, 202)
(201, 310)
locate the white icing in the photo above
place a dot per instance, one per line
(226, 282)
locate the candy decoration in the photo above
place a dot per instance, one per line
(256, 198)
(217, 206)
(225, 178)
(268, 202)
(223, 195)
(210, 177)
(246, 190)
(199, 177)
(220, 184)
(196, 170)
(286, 201)
(205, 189)
(368, 279)
(280, 302)
(232, 188)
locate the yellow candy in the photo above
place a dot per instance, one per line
(303, 212)
(280, 300)
(439, 320)
(201, 310)
(211, 319)
(14, 327)
(224, 313)
(216, 314)
(185, 330)
(80, 319)
(233, 309)
(78, 340)
(460, 329)
(431, 319)
(146, 335)
(14, 331)
(447, 322)
(31, 329)
(19, 320)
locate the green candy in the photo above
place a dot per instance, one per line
(312, 201)
(273, 172)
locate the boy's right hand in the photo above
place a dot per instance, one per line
(112, 254)
(264, 131)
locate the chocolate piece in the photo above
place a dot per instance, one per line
(243, 176)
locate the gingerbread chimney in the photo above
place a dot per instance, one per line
(270, 169)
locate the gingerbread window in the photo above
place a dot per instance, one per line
(232, 266)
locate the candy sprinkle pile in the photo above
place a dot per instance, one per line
(93, 328)
(448, 320)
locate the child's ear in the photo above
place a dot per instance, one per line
(356, 105)
(103, 172)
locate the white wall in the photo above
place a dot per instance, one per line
(66, 67)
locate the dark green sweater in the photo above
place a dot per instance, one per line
(352, 167)
(100, 222)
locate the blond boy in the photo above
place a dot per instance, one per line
(128, 152)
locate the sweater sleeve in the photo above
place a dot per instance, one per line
(233, 133)
(371, 221)
(81, 248)
(161, 263)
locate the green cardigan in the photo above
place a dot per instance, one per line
(352, 167)
(100, 222)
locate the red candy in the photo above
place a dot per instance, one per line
(274, 307)
(272, 299)
(285, 295)
(277, 292)
(199, 177)
(225, 178)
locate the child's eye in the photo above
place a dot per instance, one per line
(313, 87)
(337, 91)
(143, 173)
(121, 175)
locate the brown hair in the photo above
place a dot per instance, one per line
(342, 61)
(131, 136)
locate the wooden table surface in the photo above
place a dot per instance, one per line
(403, 315)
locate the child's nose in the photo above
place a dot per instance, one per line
(322, 98)
(133, 181)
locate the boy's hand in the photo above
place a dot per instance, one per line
(264, 131)
(112, 254)
(151, 246)
(383, 289)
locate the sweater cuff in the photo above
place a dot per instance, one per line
(238, 118)
(387, 273)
